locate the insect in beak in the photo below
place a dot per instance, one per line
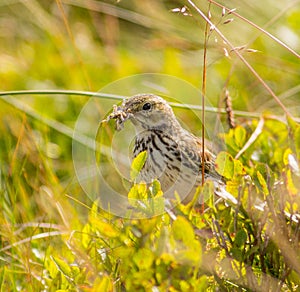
(120, 115)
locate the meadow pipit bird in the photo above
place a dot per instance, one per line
(174, 155)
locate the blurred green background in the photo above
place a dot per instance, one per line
(86, 45)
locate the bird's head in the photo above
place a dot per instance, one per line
(146, 111)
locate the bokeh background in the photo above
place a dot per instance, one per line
(87, 45)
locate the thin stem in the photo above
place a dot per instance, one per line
(240, 56)
(62, 91)
(203, 91)
(211, 109)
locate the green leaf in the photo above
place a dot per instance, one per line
(184, 286)
(240, 136)
(157, 205)
(227, 218)
(262, 182)
(138, 192)
(264, 177)
(236, 253)
(225, 165)
(207, 193)
(238, 168)
(232, 186)
(63, 267)
(286, 154)
(133, 193)
(137, 164)
(240, 238)
(143, 258)
(252, 251)
(182, 230)
(50, 265)
(230, 141)
(190, 254)
(156, 188)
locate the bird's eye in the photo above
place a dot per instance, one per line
(147, 106)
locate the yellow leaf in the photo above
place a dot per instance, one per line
(225, 165)
(262, 182)
(137, 164)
